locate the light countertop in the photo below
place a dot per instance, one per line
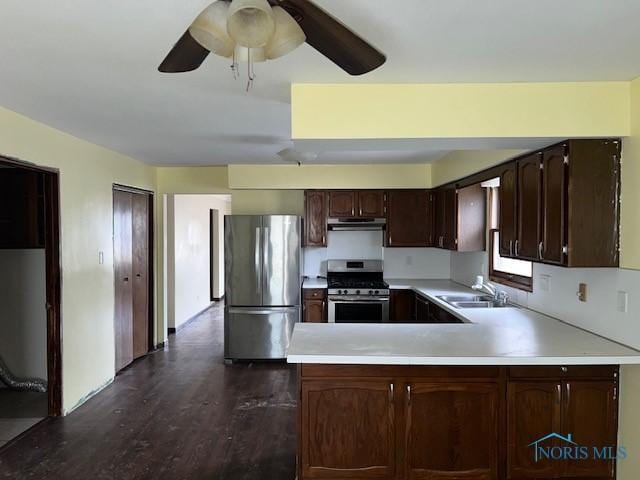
(314, 283)
(493, 336)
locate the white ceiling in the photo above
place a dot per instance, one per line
(89, 67)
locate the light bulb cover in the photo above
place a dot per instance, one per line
(250, 23)
(287, 36)
(257, 54)
(209, 29)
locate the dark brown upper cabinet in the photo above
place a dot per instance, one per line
(408, 222)
(371, 203)
(567, 205)
(460, 218)
(508, 214)
(343, 203)
(529, 207)
(356, 203)
(315, 218)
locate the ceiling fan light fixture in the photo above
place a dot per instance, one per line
(287, 35)
(250, 22)
(209, 29)
(244, 54)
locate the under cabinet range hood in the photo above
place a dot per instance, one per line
(350, 224)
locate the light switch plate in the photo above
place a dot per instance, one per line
(101, 258)
(582, 292)
(623, 301)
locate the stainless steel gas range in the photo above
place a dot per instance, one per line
(357, 292)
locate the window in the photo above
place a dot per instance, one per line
(507, 271)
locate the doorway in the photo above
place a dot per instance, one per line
(30, 350)
(133, 273)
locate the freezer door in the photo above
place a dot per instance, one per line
(258, 333)
(281, 237)
(243, 260)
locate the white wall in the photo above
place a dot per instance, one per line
(188, 250)
(23, 320)
(598, 314)
(398, 262)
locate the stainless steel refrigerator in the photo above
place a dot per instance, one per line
(262, 285)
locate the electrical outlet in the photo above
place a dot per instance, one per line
(409, 260)
(545, 283)
(582, 292)
(623, 301)
(100, 258)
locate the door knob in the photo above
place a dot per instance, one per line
(126, 279)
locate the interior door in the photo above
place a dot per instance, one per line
(140, 270)
(529, 207)
(123, 271)
(554, 190)
(281, 260)
(243, 260)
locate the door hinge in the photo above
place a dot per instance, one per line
(566, 159)
(541, 166)
(565, 249)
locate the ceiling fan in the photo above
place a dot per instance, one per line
(257, 30)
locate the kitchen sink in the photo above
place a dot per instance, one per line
(472, 301)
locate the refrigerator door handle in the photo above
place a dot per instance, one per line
(261, 311)
(266, 274)
(257, 260)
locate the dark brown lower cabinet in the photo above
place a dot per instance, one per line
(349, 429)
(437, 423)
(314, 305)
(452, 430)
(402, 308)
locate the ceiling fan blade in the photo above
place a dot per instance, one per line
(333, 39)
(186, 55)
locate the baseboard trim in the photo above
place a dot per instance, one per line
(217, 299)
(87, 397)
(173, 330)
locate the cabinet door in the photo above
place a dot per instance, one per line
(533, 411)
(590, 416)
(314, 311)
(554, 191)
(371, 203)
(342, 203)
(507, 222)
(347, 429)
(439, 211)
(452, 431)
(315, 221)
(450, 206)
(407, 224)
(140, 270)
(422, 310)
(402, 306)
(529, 207)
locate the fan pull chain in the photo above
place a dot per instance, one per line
(251, 75)
(234, 66)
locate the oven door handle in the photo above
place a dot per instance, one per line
(353, 299)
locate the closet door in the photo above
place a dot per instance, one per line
(140, 249)
(123, 270)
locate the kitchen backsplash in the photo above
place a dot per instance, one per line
(398, 262)
(554, 294)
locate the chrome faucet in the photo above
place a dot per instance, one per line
(498, 296)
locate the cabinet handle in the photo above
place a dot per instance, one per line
(511, 248)
(391, 392)
(564, 369)
(516, 248)
(408, 393)
(540, 247)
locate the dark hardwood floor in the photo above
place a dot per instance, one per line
(178, 413)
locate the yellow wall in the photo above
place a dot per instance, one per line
(459, 110)
(329, 176)
(87, 173)
(461, 163)
(630, 213)
(264, 202)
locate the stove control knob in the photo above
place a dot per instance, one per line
(370, 292)
(377, 292)
(340, 292)
(357, 292)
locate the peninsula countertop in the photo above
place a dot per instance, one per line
(492, 336)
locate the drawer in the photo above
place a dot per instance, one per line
(565, 371)
(409, 372)
(314, 293)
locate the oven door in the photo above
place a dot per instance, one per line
(354, 309)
